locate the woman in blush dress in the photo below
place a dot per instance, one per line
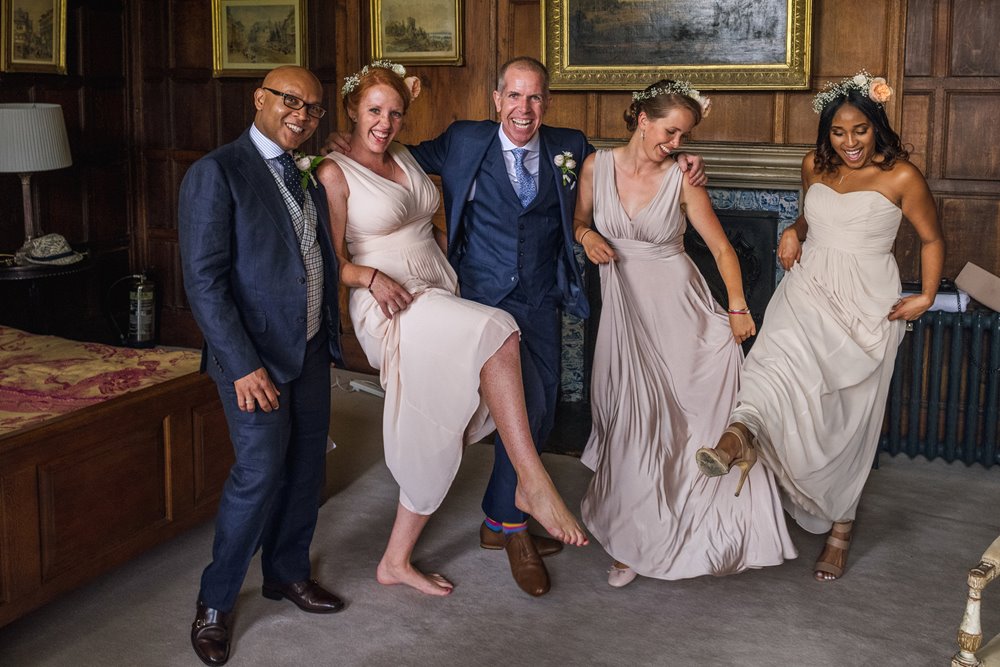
(450, 367)
(666, 363)
(815, 383)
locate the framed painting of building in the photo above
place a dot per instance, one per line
(427, 32)
(33, 37)
(714, 44)
(251, 37)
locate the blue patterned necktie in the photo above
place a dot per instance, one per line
(526, 189)
(290, 175)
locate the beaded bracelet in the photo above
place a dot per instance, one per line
(372, 281)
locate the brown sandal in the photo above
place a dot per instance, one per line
(822, 568)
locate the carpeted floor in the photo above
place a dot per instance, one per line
(921, 526)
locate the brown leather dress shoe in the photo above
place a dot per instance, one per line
(525, 564)
(210, 635)
(307, 596)
(492, 539)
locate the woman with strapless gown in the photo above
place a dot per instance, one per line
(815, 382)
(666, 365)
(450, 367)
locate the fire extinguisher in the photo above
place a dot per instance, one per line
(141, 311)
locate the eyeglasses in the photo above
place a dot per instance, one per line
(292, 102)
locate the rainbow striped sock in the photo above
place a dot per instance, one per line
(495, 526)
(511, 528)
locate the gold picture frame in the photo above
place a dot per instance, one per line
(425, 32)
(252, 37)
(727, 44)
(33, 36)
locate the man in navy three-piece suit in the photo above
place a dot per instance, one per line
(509, 209)
(261, 277)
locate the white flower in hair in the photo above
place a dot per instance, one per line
(875, 88)
(679, 88)
(351, 82)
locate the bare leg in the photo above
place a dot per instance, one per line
(396, 568)
(500, 384)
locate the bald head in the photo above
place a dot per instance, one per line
(285, 126)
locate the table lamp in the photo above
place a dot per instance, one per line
(32, 138)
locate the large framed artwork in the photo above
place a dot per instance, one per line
(33, 37)
(427, 32)
(251, 37)
(714, 44)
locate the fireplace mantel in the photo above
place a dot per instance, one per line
(747, 166)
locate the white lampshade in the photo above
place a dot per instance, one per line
(33, 138)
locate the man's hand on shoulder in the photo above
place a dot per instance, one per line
(694, 165)
(338, 142)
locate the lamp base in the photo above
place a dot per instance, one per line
(19, 256)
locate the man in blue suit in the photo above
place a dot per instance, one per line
(509, 209)
(261, 278)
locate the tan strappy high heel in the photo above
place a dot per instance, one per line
(714, 463)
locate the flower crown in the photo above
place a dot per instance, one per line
(353, 81)
(875, 87)
(678, 87)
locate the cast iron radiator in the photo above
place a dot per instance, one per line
(945, 393)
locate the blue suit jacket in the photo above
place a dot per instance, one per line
(457, 155)
(243, 271)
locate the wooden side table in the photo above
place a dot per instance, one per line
(38, 318)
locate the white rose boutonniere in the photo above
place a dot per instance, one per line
(306, 165)
(566, 164)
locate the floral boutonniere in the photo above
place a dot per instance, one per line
(306, 165)
(566, 164)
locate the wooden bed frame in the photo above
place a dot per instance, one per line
(85, 492)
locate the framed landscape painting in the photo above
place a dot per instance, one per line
(714, 44)
(251, 37)
(33, 37)
(427, 32)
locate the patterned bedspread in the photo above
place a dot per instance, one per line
(45, 376)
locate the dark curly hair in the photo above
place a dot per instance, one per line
(660, 105)
(887, 142)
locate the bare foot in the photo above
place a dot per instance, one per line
(431, 584)
(542, 501)
(833, 559)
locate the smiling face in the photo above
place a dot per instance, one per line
(662, 136)
(852, 137)
(377, 118)
(289, 128)
(521, 104)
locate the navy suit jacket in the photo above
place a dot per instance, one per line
(243, 270)
(456, 156)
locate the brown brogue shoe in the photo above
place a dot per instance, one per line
(210, 635)
(525, 564)
(492, 539)
(307, 596)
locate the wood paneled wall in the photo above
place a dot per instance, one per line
(142, 105)
(89, 202)
(952, 91)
